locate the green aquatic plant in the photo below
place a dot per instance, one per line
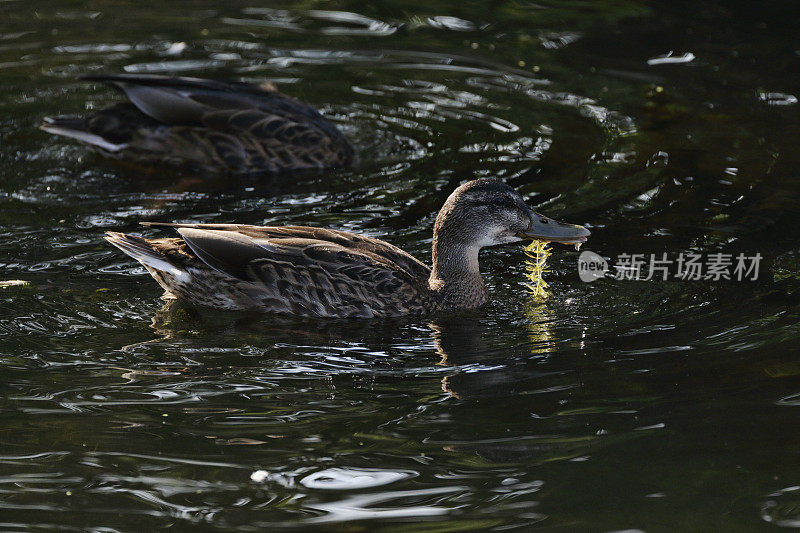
(537, 253)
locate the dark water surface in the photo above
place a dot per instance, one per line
(617, 405)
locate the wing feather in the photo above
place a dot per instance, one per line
(312, 271)
(351, 241)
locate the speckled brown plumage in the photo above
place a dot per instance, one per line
(213, 125)
(291, 269)
(327, 273)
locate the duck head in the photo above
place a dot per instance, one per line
(487, 212)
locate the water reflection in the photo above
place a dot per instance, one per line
(364, 506)
(352, 478)
(489, 369)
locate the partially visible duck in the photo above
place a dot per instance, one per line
(327, 273)
(212, 125)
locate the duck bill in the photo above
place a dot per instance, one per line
(543, 228)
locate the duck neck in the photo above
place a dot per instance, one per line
(455, 277)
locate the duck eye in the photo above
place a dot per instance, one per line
(544, 221)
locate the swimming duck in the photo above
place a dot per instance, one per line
(212, 125)
(322, 272)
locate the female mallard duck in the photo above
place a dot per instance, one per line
(212, 125)
(327, 273)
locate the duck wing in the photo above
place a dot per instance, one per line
(183, 101)
(313, 271)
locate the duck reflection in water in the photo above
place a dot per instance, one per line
(484, 371)
(469, 344)
(485, 366)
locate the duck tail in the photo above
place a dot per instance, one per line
(75, 128)
(144, 252)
